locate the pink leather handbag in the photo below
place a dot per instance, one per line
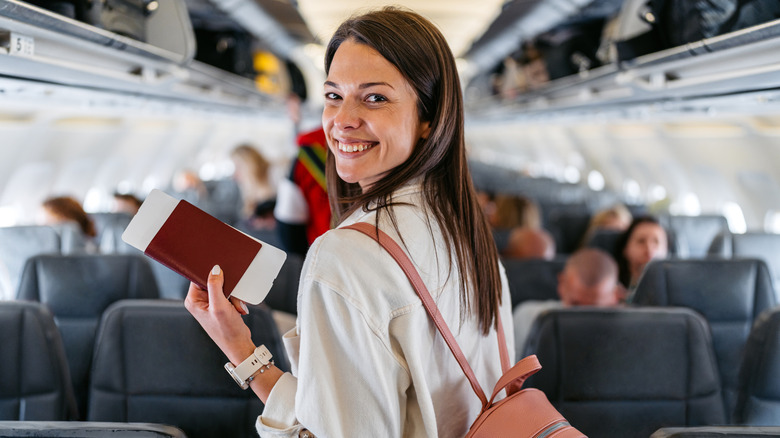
(523, 413)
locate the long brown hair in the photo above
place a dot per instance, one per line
(420, 52)
(68, 208)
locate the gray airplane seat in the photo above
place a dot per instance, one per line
(758, 399)
(34, 377)
(716, 432)
(77, 289)
(109, 227)
(533, 279)
(17, 244)
(154, 363)
(567, 228)
(730, 294)
(764, 246)
(87, 429)
(626, 372)
(693, 234)
(606, 240)
(283, 295)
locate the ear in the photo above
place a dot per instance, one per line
(425, 130)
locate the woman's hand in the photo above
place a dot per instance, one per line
(220, 317)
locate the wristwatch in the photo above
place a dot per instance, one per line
(259, 362)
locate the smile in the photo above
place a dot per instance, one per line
(355, 147)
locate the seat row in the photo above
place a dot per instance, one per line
(627, 372)
(730, 294)
(152, 363)
(78, 288)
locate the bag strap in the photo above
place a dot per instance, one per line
(406, 265)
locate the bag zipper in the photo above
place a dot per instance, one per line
(545, 433)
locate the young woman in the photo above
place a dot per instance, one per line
(643, 241)
(366, 358)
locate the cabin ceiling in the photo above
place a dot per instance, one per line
(468, 25)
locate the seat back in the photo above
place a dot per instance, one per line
(758, 399)
(764, 246)
(84, 429)
(693, 234)
(154, 363)
(17, 244)
(625, 372)
(606, 240)
(533, 279)
(284, 292)
(730, 294)
(109, 227)
(34, 377)
(77, 289)
(568, 227)
(716, 432)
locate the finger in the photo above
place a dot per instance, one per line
(215, 282)
(194, 296)
(239, 305)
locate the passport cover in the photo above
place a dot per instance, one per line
(190, 241)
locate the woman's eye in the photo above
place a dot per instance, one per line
(332, 96)
(376, 98)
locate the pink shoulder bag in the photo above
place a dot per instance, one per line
(522, 413)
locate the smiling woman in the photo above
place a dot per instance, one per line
(366, 356)
(370, 116)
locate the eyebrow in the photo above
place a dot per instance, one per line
(361, 86)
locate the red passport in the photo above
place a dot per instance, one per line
(190, 242)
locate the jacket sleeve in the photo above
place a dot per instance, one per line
(348, 383)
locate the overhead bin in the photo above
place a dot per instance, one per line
(39, 45)
(736, 63)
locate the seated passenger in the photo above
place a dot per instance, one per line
(362, 349)
(509, 214)
(252, 176)
(589, 278)
(67, 210)
(644, 240)
(529, 243)
(126, 203)
(615, 218)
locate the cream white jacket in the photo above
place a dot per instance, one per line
(367, 361)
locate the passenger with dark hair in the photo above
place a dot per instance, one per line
(126, 203)
(61, 209)
(66, 210)
(366, 357)
(643, 241)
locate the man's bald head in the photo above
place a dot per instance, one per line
(530, 243)
(589, 279)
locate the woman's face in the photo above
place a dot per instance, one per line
(647, 242)
(370, 116)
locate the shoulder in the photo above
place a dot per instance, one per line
(357, 269)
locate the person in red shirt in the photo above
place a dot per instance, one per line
(302, 210)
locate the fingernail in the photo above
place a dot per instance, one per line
(243, 306)
(215, 270)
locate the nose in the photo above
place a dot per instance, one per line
(347, 116)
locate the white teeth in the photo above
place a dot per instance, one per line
(355, 147)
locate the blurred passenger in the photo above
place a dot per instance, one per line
(516, 211)
(302, 208)
(252, 176)
(529, 243)
(512, 212)
(126, 203)
(615, 218)
(188, 186)
(643, 241)
(589, 278)
(65, 210)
